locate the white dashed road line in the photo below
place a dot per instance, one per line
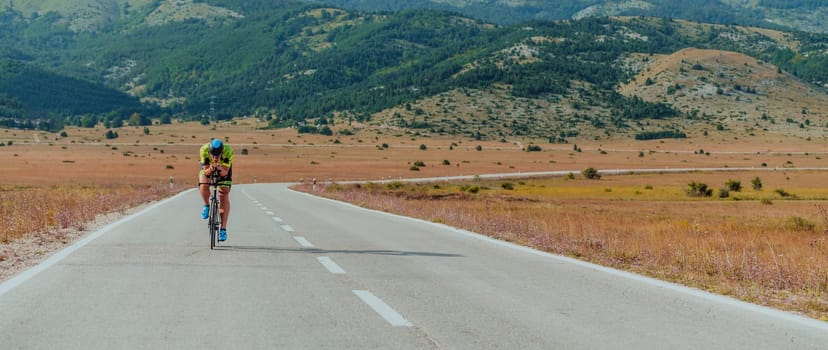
(303, 242)
(380, 307)
(330, 265)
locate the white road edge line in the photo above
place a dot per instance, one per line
(269, 213)
(287, 228)
(782, 315)
(380, 307)
(303, 242)
(60, 255)
(278, 219)
(329, 264)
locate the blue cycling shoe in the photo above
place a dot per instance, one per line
(222, 235)
(205, 212)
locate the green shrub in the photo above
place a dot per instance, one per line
(797, 223)
(394, 185)
(508, 186)
(757, 183)
(733, 185)
(782, 192)
(698, 189)
(591, 173)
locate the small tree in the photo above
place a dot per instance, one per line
(757, 183)
(733, 185)
(591, 173)
(423, 147)
(698, 189)
(111, 135)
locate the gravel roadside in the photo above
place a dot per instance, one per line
(24, 253)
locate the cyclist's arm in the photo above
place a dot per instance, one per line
(206, 161)
(227, 157)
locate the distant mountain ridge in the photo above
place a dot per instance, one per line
(805, 15)
(298, 63)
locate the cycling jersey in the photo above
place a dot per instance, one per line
(226, 159)
(226, 156)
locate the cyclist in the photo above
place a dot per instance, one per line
(216, 156)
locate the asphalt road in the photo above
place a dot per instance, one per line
(299, 272)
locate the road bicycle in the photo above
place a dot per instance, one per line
(214, 220)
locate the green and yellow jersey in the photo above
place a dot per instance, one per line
(226, 156)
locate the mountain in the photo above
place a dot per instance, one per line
(297, 63)
(805, 15)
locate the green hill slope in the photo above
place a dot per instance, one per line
(32, 97)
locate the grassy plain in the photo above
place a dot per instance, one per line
(763, 247)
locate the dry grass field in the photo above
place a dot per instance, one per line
(764, 246)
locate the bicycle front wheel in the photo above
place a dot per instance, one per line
(214, 222)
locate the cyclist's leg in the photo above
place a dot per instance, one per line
(224, 205)
(204, 187)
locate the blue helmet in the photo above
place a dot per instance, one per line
(216, 147)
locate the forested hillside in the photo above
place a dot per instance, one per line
(293, 62)
(31, 97)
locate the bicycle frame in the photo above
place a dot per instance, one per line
(214, 222)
